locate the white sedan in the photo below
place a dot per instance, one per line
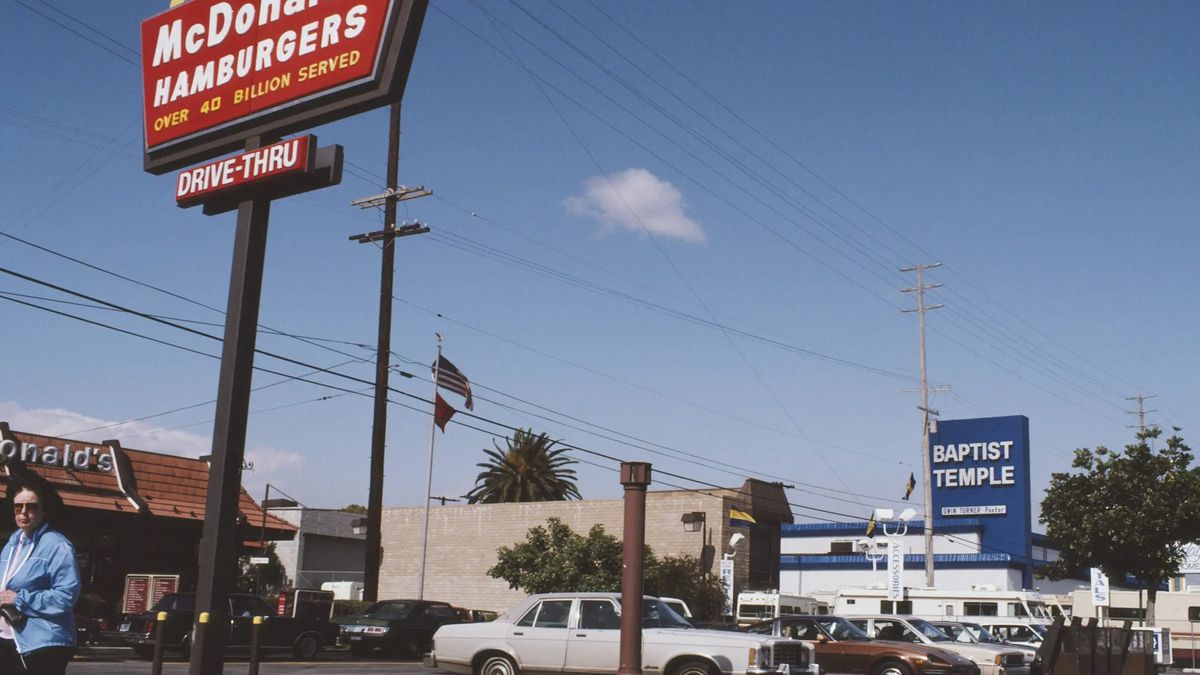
(581, 633)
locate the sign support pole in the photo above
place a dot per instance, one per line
(219, 543)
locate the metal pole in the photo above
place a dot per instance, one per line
(219, 542)
(928, 488)
(262, 537)
(635, 476)
(382, 363)
(160, 625)
(429, 480)
(255, 644)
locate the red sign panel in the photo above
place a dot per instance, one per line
(217, 71)
(294, 155)
(137, 592)
(162, 586)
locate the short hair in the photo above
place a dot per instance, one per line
(51, 502)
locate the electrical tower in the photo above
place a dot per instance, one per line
(920, 309)
(1141, 411)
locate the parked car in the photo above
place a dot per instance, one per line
(991, 659)
(399, 627)
(967, 631)
(681, 608)
(842, 647)
(581, 633)
(1015, 632)
(304, 638)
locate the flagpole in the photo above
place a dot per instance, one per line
(429, 480)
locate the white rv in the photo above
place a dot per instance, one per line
(755, 606)
(979, 602)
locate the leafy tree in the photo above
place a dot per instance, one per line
(527, 470)
(264, 580)
(555, 558)
(680, 577)
(356, 509)
(1126, 513)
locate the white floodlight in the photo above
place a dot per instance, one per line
(736, 539)
(907, 514)
(884, 514)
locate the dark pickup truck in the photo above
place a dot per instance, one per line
(303, 638)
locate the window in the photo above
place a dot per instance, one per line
(763, 629)
(1193, 613)
(894, 632)
(1017, 609)
(897, 607)
(802, 630)
(242, 606)
(441, 613)
(598, 614)
(981, 608)
(553, 614)
(841, 547)
(1132, 613)
(527, 620)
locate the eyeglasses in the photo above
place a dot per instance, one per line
(32, 507)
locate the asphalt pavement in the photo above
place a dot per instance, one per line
(121, 661)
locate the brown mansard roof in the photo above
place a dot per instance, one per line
(166, 486)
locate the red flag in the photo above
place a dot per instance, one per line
(442, 412)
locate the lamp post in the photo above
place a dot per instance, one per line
(895, 556)
(698, 520)
(871, 552)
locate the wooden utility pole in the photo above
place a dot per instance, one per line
(383, 348)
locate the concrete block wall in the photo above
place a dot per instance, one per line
(463, 540)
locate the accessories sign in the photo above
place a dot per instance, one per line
(215, 72)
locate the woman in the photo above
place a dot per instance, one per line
(39, 583)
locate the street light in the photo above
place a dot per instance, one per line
(694, 521)
(884, 515)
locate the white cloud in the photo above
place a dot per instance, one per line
(69, 424)
(638, 201)
(268, 462)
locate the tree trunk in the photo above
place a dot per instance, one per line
(1151, 594)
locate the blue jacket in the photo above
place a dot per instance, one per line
(47, 586)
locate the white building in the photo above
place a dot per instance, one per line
(326, 547)
(823, 557)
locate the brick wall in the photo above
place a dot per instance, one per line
(463, 540)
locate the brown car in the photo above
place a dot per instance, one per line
(842, 647)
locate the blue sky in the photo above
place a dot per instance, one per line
(783, 160)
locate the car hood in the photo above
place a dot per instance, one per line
(363, 620)
(924, 649)
(976, 651)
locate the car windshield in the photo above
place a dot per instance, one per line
(841, 629)
(656, 614)
(956, 631)
(173, 601)
(389, 610)
(982, 634)
(930, 631)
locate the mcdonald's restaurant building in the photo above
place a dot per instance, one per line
(463, 539)
(132, 515)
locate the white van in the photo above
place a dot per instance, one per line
(755, 606)
(972, 605)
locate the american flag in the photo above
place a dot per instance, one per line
(452, 379)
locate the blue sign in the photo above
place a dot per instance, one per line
(979, 468)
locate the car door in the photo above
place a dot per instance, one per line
(242, 609)
(540, 637)
(594, 644)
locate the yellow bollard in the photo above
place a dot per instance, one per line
(254, 645)
(160, 624)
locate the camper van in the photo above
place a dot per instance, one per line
(1178, 611)
(755, 606)
(980, 601)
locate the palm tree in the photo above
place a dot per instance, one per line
(527, 470)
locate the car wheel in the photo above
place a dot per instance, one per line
(891, 668)
(695, 667)
(306, 647)
(498, 664)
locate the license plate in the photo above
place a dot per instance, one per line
(124, 627)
